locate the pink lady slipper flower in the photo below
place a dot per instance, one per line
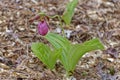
(43, 28)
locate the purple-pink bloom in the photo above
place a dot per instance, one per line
(43, 28)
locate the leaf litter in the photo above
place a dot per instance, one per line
(93, 18)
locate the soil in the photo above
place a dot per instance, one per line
(92, 19)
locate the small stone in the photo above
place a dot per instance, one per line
(68, 32)
(77, 27)
(21, 29)
(58, 30)
(18, 14)
(110, 59)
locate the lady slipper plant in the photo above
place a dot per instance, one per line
(62, 49)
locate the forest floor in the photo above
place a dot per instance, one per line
(92, 18)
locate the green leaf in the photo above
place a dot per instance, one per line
(69, 12)
(45, 54)
(53, 57)
(78, 50)
(58, 41)
(71, 58)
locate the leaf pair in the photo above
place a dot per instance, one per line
(72, 53)
(69, 54)
(45, 54)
